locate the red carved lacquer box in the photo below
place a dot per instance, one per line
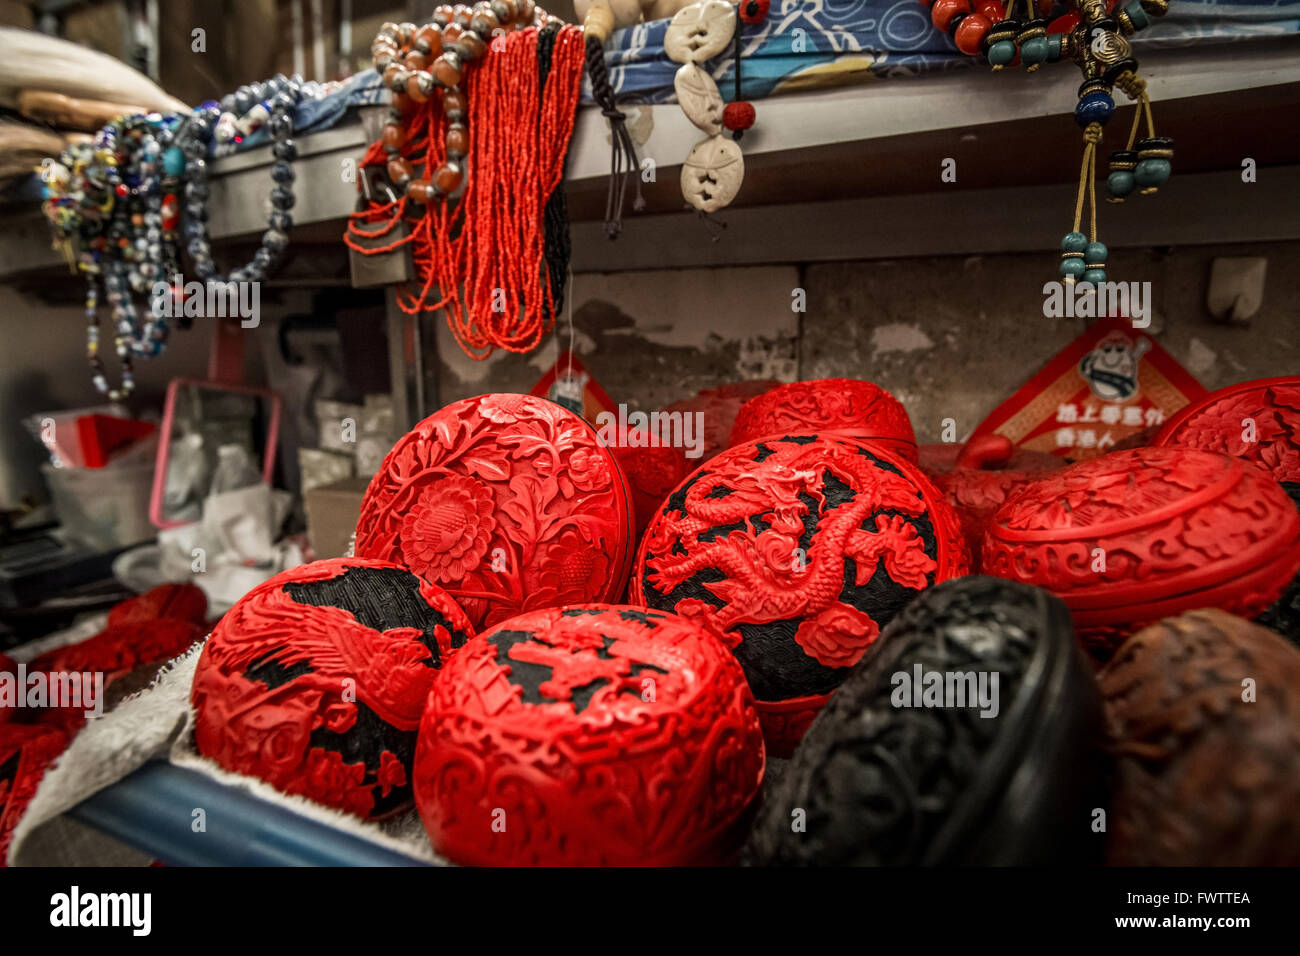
(316, 680)
(719, 408)
(1258, 421)
(510, 502)
(797, 550)
(115, 652)
(25, 752)
(651, 473)
(828, 405)
(589, 735)
(977, 477)
(1138, 535)
(184, 601)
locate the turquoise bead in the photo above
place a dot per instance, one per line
(1054, 48)
(1072, 267)
(1152, 172)
(1095, 276)
(1033, 51)
(1095, 253)
(173, 161)
(1137, 15)
(1074, 242)
(1121, 182)
(1002, 52)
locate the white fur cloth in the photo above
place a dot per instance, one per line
(157, 723)
(36, 61)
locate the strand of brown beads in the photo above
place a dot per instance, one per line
(417, 61)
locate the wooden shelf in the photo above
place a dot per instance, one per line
(1011, 135)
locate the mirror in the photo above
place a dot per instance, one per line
(215, 437)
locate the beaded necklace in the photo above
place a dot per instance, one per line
(277, 100)
(113, 206)
(115, 210)
(494, 260)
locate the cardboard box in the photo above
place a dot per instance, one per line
(332, 513)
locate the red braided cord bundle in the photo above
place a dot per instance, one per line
(482, 258)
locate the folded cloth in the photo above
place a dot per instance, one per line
(157, 724)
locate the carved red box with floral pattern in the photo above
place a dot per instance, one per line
(825, 405)
(510, 502)
(1138, 535)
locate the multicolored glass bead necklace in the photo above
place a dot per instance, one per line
(116, 214)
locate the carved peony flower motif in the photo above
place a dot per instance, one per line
(588, 470)
(838, 636)
(503, 409)
(446, 534)
(574, 570)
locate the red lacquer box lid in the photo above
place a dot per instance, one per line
(826, 405)
(978, 476)
(589, 735)
(797, 550)
(1258, 421)
(510, 502)
(1142, 534)
(316, 681)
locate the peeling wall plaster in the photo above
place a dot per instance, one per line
(950, 337)
(652, 338)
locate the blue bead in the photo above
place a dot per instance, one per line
(1152, 172)
(1094, 254)
(282, 198)
(174, 161)
(1074, 242)
(1072, 267)
(1094, 107)
(1120, 183)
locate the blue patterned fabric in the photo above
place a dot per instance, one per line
(827, 43)
(831, 42)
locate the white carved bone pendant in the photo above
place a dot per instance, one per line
(700, 31)
(712, 173)
(699, 98)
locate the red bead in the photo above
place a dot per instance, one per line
(1064, 23)
(122, 190)
(943, 11)
(738, 115)
(991, 9)
(971, 32)
(754, 11)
